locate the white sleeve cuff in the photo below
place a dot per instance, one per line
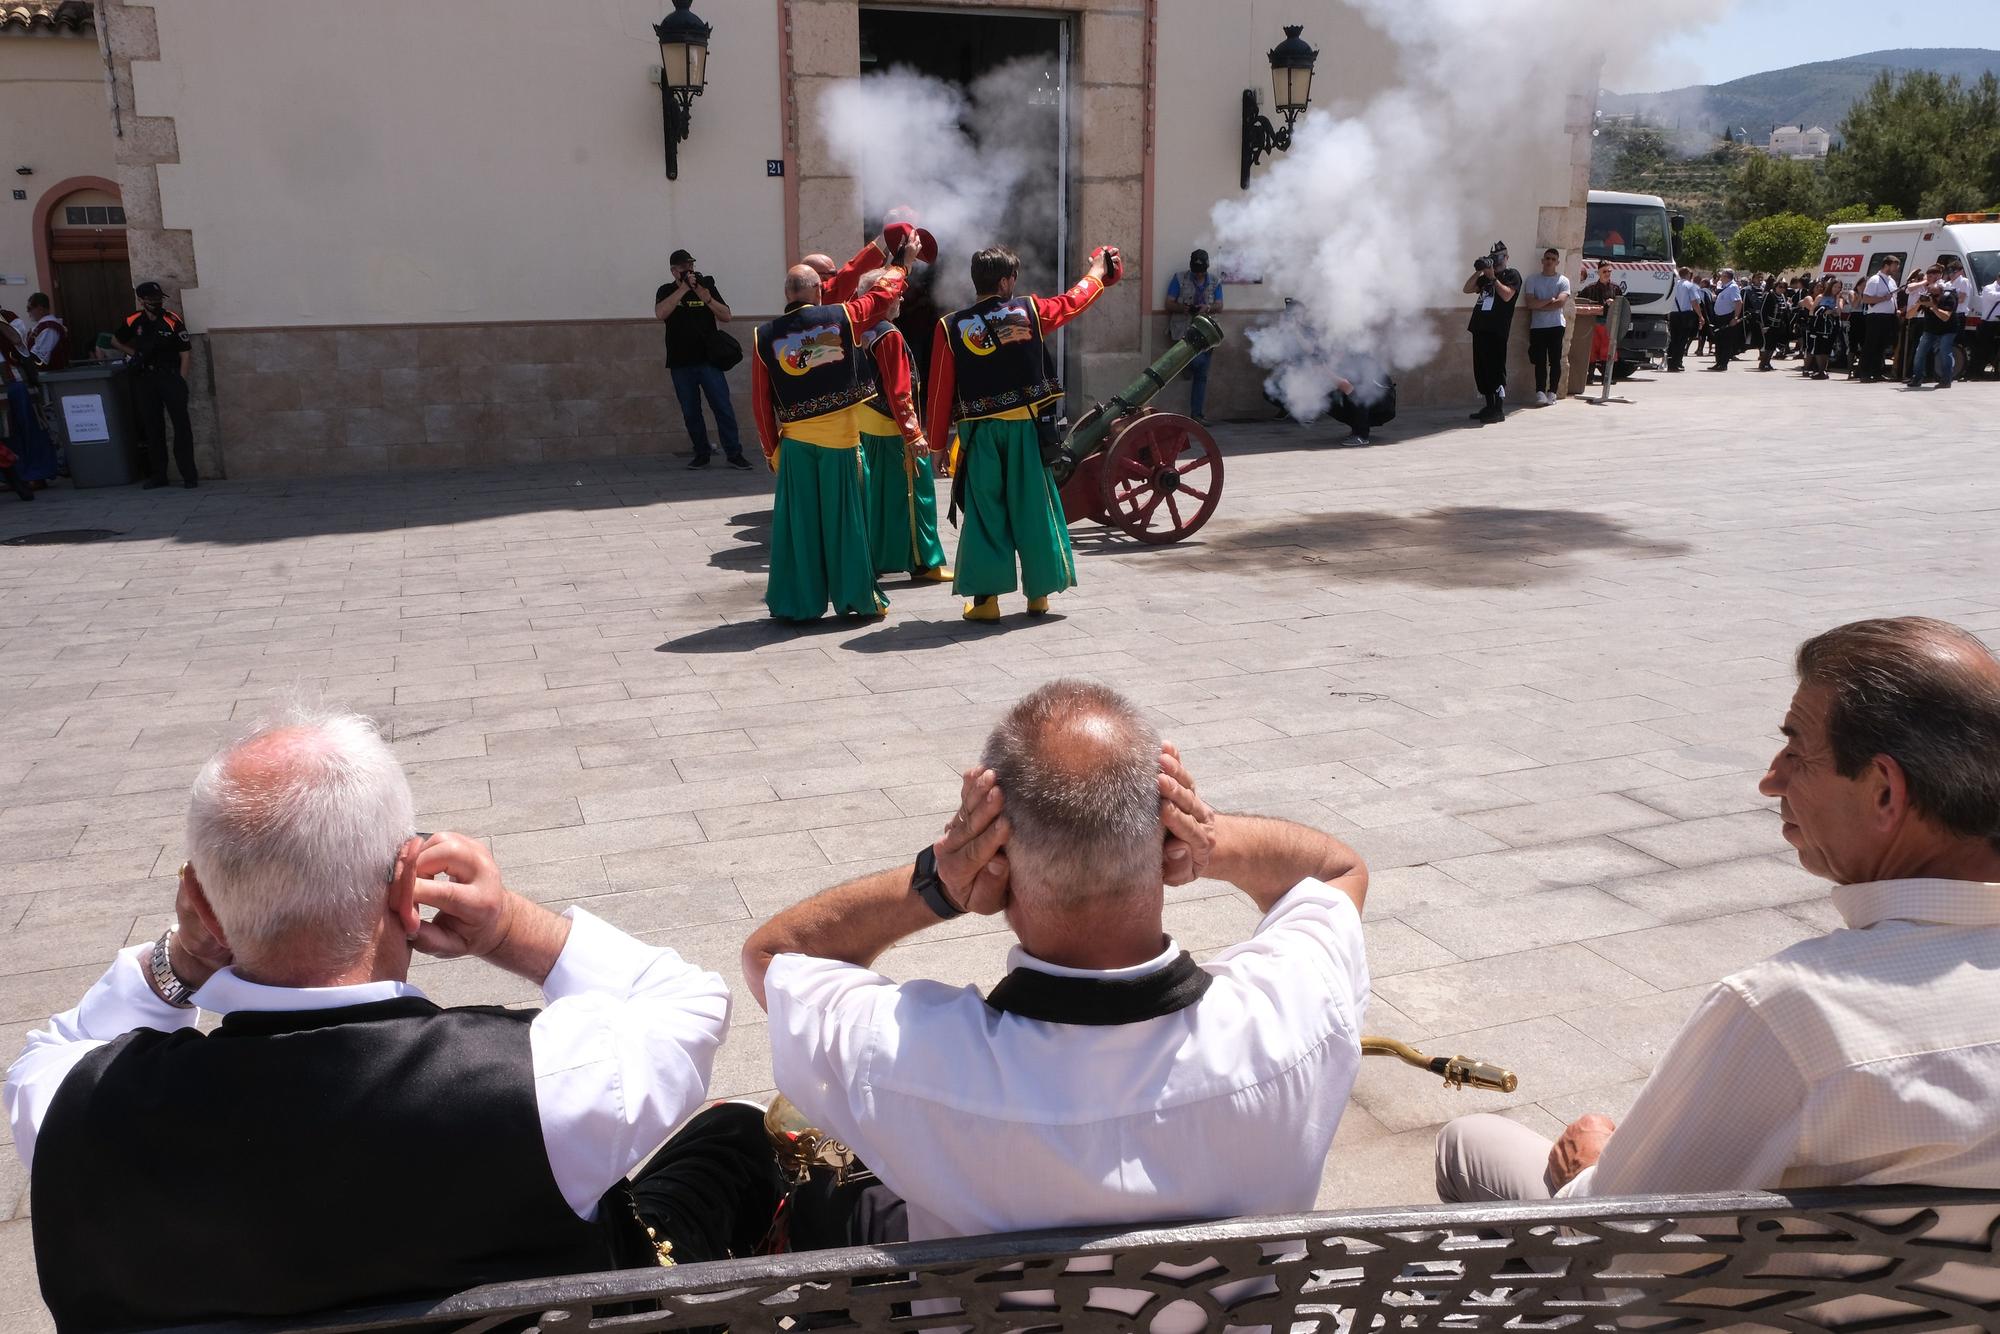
(597, 957)
(124, 999)
(1578, 1186)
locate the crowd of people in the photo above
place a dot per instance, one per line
(1108, 1080)
(1915, 331)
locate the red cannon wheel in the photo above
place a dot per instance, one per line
(1163, 478)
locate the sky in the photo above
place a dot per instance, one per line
(1758, 35)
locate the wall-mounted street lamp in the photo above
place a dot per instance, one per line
(1291, 91)
(683, 74)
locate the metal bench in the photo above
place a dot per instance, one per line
(1681, 1263)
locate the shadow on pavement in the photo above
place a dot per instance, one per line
(1466, 546)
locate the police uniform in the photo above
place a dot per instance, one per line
(158, 343)
(806, 385)
(902, 489)
(990, 374)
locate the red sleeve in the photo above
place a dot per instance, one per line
(1056, 311)
(942, 390)
(841, 286)
(892, 359)
(765, 407)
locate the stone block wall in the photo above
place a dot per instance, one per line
(322, 401)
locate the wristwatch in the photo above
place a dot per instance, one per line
(924, 883)
(172, 990)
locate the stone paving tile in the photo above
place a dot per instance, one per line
(1533, 673)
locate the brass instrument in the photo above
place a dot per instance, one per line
(1456, 1071)
(802, 1146)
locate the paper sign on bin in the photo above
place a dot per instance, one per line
(83, 418)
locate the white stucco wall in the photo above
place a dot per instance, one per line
(1210, 52)
(378, 161)
(57, 120)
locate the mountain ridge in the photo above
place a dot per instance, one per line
(1816, 93)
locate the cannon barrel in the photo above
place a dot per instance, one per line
(1087, 436)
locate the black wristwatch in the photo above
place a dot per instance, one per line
(924, 883)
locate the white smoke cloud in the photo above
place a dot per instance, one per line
(1371, 204)
(979, 168)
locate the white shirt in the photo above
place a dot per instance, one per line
(1989, 301)
(45, 341)
(1727, 298)
(989, 1122)
(621, 1054)
(1963, 286)
(1879, 285)
(1864, 1056)
(1687, 296)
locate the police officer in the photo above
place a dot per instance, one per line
(157, 341)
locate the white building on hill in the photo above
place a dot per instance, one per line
(1792, 142)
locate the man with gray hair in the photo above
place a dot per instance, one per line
(340, 1138)
(1870, 1054)
(1108, 1078)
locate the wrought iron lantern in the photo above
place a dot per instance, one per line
(1292, 63)
(683, 74)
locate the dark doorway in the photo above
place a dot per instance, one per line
(93, 296)
(1013, 70)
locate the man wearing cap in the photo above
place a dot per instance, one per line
(991, 375)
(1193, 292)
(806, 383)
(690, 307)
(157, 341)
(1492, 325)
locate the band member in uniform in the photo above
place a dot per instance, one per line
(157, 340)
(805, 384)
(991, 374)
(902, 490)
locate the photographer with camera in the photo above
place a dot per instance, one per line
(1934, 316)
(1496, 286)
(691, 307)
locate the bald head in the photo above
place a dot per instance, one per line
(823, 265)
(1078, 766)
(801, 283)
(291, 834)
(1926, 693)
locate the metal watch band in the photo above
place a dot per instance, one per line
(924, 883)
(172, 990)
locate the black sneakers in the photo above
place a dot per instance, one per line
(738, 462)
(698, 461)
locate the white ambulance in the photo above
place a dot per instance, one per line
(1634, 233)
(1855, 250)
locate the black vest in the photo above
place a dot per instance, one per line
(295, 1162)
(998, 358)
(869, 372)
(810, 359)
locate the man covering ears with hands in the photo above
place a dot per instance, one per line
(1108, 1078)
(339, 1137)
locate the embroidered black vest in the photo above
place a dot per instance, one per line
(869, 372)
(998, 358)
(303, 1161)
(1101, 1001)
(810, 358)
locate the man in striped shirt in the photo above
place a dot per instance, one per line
(1868, 1055)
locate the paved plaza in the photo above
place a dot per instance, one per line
(1531, 672)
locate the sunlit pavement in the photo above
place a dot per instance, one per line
(1531, 671)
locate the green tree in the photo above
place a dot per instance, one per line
(1922, 144)
(1698, 247)
(1764, 186)
(1862, 213)
(1775, 244)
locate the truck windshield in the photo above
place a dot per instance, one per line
(1985, 266)
(1627, 231)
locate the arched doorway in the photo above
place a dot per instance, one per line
(80, 240)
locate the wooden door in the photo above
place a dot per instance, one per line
(93, 296)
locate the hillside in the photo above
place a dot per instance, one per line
(1815, 94)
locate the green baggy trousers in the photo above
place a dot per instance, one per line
(1012, 508)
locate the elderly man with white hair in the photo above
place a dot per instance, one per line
(340, 1138)
(1109, 1078)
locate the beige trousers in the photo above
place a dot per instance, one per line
(1483, 1157)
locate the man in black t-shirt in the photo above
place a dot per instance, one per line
(1492, 323)
(690, 307)
(1935, 315)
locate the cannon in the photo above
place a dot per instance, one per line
(1154, 475)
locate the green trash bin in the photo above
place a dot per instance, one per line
(91, 416)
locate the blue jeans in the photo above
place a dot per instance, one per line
(1197, 373)
(690, 383)
(1935, 349)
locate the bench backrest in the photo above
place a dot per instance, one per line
(1685, 1263)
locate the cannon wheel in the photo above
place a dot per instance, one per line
(1162, 480)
